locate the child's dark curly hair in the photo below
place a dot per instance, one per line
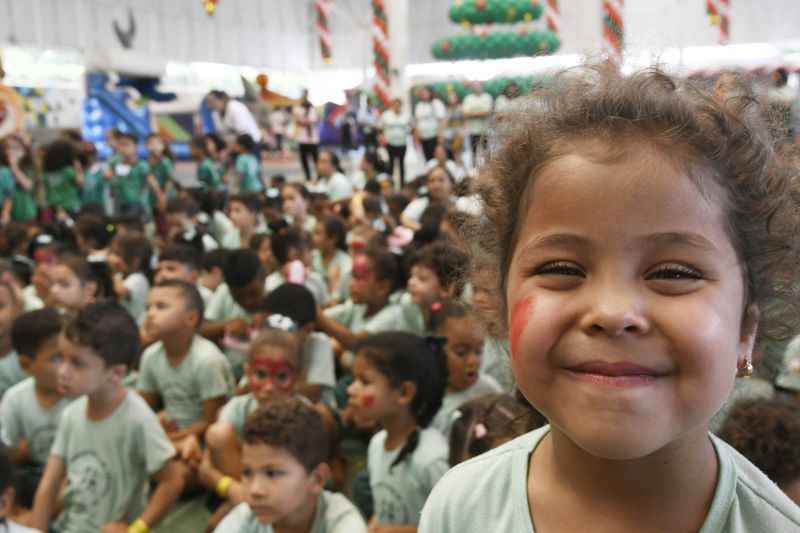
(449, 263)
(723, 140)
(767, 432)
(59, 154)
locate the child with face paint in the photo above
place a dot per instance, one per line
(458, 323)
(368, 311)
(400, 380)
(643, 233)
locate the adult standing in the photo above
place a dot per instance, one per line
(233, 116)
(430, 117)
(395, 124)
(306, 133)
(477, 108)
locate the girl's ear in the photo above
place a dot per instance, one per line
(747, 336)
(319, 477)
(118, 373)
(407, 390)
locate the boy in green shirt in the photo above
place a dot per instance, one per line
(129, 178)
(61, 179)
(208, 172)
(246, 174)
(109, 444)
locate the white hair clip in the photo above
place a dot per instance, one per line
(480, 431)
(281, 322)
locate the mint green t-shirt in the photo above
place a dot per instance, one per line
(493, 486)
(108, 463)
(162, 170)
(334, 514)
(223, 307)
(393, 317)
(209, 175)
(22, 417)
(249, 173)
(62, 189)
(399, 492)
(495, 362)
(95, 186)
(11, 372)
(443, 421)
(204, 374)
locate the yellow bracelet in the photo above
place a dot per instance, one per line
(140, 526)
(223, 486)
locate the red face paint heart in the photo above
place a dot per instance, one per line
(282, 375)
(368, 400)
(519, 319)
(361, 268)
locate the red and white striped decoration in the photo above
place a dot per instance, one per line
(380, 48)
(323, 8)
(613, 30)
(719, 11)
(552, 16)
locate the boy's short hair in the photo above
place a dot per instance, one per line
(246, 142)
(109, 330)
(182, 205)
(183, 254)
(767, 433)
(294, 301)
(241, 267)
(127, 135)
(450, 264)
(291, 424)
(251, 201)
(214, 259)
(190, 294)
(32, 329)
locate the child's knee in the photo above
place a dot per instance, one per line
(220, 436)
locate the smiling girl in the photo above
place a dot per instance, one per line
(639, 229)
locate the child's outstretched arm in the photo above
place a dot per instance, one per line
(170, 482)
(44, 502)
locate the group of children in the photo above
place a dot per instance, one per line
(304, 361)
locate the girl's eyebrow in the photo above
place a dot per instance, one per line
(575, 241)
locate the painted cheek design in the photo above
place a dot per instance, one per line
(368, 400)
(519, 319)
(361, 268)
(281, 374)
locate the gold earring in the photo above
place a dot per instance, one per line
(745, 370)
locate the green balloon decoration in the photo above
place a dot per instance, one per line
(494, 45)
(495, 11)
(495, 87)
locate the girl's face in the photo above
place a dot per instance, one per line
(67, 290)
(9, 310)
(325, 165)
(626, 302)
(270, 373)
(364, 284)
(294, 204)
(439, 185)
(265, 254)
(241, 216)
(424, 286)
(464, 351)
(371, 396)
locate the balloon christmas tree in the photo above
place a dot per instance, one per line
(483, 43)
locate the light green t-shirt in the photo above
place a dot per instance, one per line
(130, 183)
(108, 463)
(393, 317)
(136, 302)
(341, 260)
(247, 168)
(443, 421)
(23, 418)
(493, 486)
(209, 175)
(204, 374)
(334, 514)
(223, 307)
(399, 492)
(236, 411)
(10, 372)
(495, 363)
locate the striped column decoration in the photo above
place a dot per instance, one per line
(719, 13)
(380, 48)
(613, 30)
(552, 16)
(323, 8)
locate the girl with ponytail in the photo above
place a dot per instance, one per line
(400, 380)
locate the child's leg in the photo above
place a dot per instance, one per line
(225, 448)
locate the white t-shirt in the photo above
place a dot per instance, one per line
(277, 121)
(395, 127)
(337, 187)
(418, 206)
(458, 172)
(477, 103)
(239, 120)
(427, 116)
(301, 132)
(494, 488)
(136, 302)
(13, 527)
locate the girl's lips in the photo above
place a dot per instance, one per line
(621, 374)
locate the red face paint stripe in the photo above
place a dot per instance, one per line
(368, 400)
(519, 318)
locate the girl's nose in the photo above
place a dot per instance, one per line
(615, 310)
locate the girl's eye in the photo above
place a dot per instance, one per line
(260, 374)
(675, 273)
(273, 473)
(283, 378)
(559, 268)
(247, 473)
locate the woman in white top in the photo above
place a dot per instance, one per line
(394, 125)
(440, 190)
(306, 132)
(332, 180)
(430, 117)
